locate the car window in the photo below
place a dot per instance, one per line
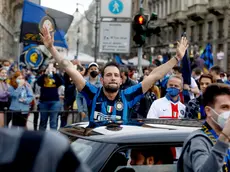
(84, 148)
(144, 158)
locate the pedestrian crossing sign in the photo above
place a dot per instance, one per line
(115, 6)
(116, 9)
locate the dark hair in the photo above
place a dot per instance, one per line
(206, 76)
(216, 69)
(5, 60)
(86, 71)
(177, 68)
(146, 68)
(214, 90)
(109, 64)
(222, 74)
(197, 71)
(125, 70)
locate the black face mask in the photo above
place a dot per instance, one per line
(93, 74)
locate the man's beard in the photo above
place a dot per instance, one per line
(110, 89)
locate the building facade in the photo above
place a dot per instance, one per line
(10, 20)
(82, 29)
(204, 21)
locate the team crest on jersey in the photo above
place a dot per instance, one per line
(119, 106)
(182, 112)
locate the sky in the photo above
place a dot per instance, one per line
(67, 6)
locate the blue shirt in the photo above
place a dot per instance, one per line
(101, 108)
(23, 92)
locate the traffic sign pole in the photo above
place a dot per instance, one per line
(140, 49)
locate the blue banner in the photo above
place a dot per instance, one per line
(118, 60)
(207, 56)
(35, 17)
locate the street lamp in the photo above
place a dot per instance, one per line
(17, 45)
(78, 41)
(96, 25)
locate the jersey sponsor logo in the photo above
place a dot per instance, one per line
(98, 116)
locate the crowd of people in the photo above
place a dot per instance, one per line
(56, 92)
(112, 93)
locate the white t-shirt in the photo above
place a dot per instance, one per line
(164, 108)
(193, 85)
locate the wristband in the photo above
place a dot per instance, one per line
(176, 59)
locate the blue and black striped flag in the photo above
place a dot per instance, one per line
(35, 17)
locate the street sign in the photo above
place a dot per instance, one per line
(115, 37)
(116, 8)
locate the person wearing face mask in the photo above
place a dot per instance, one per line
(4, 95)
(21, 96)
(94, 78)
(195, 107)
(170, 105)
(207, 149)
(6, 64)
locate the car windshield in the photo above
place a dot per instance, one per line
(84, 148)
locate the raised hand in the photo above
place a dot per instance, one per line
(182, 46)
(46, 37)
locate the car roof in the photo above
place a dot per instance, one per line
(166, 131)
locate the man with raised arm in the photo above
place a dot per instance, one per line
(109, 102)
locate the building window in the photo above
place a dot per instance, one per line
(192, 34)
(169, 35)
(200, 36)
(210, 30)
(175, 34)
(221, 28)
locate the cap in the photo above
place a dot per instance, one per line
(93, 64)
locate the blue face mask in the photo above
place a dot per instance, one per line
(173, 92)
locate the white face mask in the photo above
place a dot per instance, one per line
(221, 118)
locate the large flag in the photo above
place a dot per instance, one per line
(207, 56)
(33, 58)
(35, 17)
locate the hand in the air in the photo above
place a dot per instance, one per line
(182, 46)
(47, 38)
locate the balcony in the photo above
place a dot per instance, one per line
(170, 20)
(160, 22)
(217, 7)
(180, 17)
(196, 12)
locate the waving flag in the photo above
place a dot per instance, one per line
(33, 58)
(118, 60)
(35, 17)
(207, 56)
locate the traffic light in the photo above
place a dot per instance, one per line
(151, 28)
(144, 28)
(139, 26)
